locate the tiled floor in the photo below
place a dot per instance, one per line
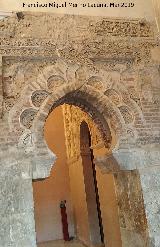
(61, 244)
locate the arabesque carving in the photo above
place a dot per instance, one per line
(81, 43)
(73, 117)
(132, 28)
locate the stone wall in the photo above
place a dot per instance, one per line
(106, 67)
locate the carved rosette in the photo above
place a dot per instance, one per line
(54, 82)
(27, 117)
(38, 97)
(9, 103)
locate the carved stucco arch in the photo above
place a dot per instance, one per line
(104, 108)
(74, 84)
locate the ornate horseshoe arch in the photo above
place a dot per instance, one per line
(77, 85)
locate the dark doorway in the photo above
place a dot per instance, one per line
(91, 188)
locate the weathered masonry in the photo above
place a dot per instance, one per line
(107, 68)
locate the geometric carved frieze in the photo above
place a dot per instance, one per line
(38, 97)
(27, 117)
(82, 43)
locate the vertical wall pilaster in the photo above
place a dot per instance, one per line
(16, 204)
(133, 223)
(150, 180)
(1, 87)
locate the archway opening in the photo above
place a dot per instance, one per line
(49, 192)
(70, 181)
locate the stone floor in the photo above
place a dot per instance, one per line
(61, 244)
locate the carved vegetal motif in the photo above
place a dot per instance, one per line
(6, 28)
(80, 43)
(73, 117)
(55, 81)
(26, 141)
(125, 96)
(8, 103)
(113, 95)
(96, 82)
(127, 115)
(27, 117)
(96, 136)
(89, 50)
(38, 97)
(132, 134)
(146, 91)
(134, 94)
(145, 29)
(13, 81)
(149, 86)
(124, 28)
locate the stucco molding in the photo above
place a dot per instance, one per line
(132, 159)
(41, 159)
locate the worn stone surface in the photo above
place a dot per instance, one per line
(150, 180)
(104, 66)
(133, 220)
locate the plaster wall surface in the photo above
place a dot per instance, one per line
(79, 202)
(49, 193)
(108, 201)
(109, 209)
